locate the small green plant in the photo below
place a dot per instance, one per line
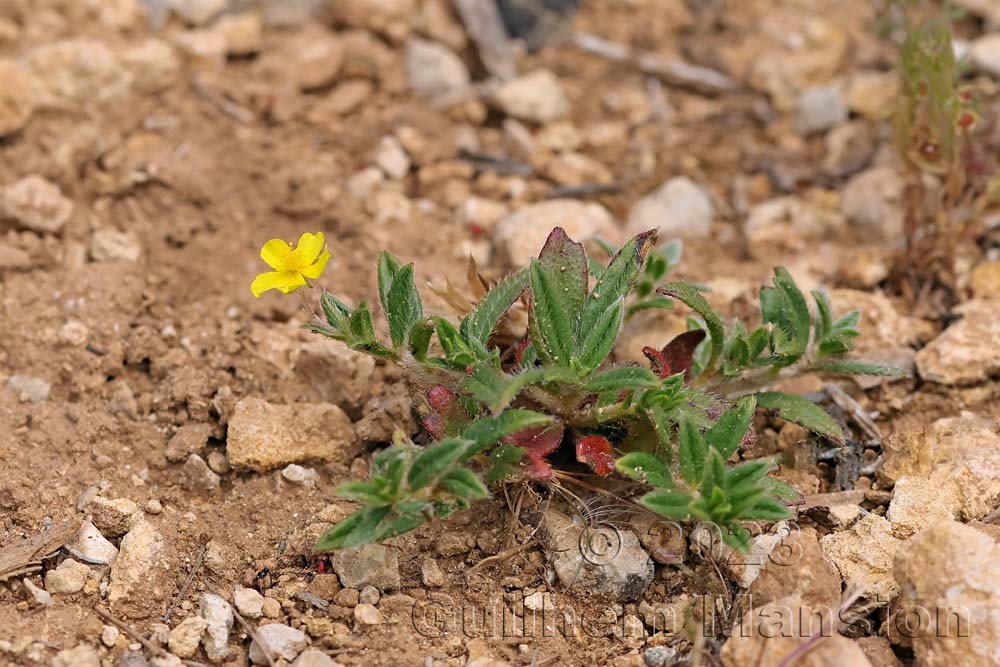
(941, 140)
(501, 413)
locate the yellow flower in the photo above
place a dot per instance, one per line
(291, 266)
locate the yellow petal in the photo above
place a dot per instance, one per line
(286, 281)
(315, 270)
(309, 248)
(277, 254)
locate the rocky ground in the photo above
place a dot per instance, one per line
(170, 445)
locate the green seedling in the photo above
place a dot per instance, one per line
(499, 413)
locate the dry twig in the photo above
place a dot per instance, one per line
(504, 555)
(187, 583)
(25, 557)
(673, 71)
(137, 636)
(250, 633)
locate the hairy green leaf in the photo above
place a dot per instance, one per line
(355, 530)
(368, 493)
(851, 367)
(485, 383)
(802, 412)
(565, 262)
(388, 267)
(479, 324)
(405, 308)
(597, 342)
(490, 430)
(727, 433)
(463, 483)
(529, 378)
(420, 339)
(798, 310)
(671, 504)
(692, 298)
(549, 320)
(767, 509)
(616, 281)
(690, 452)
(624, 377)
(645, 468)
(433, 460)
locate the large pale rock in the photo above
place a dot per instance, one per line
(917, 502)
(798, 567)
(92, 547)
(244, 33)
(949, 575)
(318, 57)
(369, 565)
(111, 245)
(74, 73)
(113, 516)
(985, 53)
(139, 579)
(873, 200)
(791, 222)
(186, 636)
(520, 236)
(985, 280)
(17, 98)
(773, 631)
(872, 93)
(80, 656)
(678, 208)
(966, 352)
(389, 17)
(432, 69)
(218, 617)
(36, 204)
(864, 554)
(537, 97)
(600, 560)
(281, 641)
(819, 108)
(68, 578)
(198, 12)
(152, 65)
(959, 456)
(263, 436)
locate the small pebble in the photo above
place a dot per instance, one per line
(271, 608)
(249, 602)
(367, 614)
(74, 333)
(297, 474)
(368, 595)
(431, 574)
(109, 636)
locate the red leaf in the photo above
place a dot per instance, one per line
(434, 425)
(535, 467)
(656, 361)
(521, 347)
(539, 440)
(595, 451)
(440, 398)
(677, 355)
